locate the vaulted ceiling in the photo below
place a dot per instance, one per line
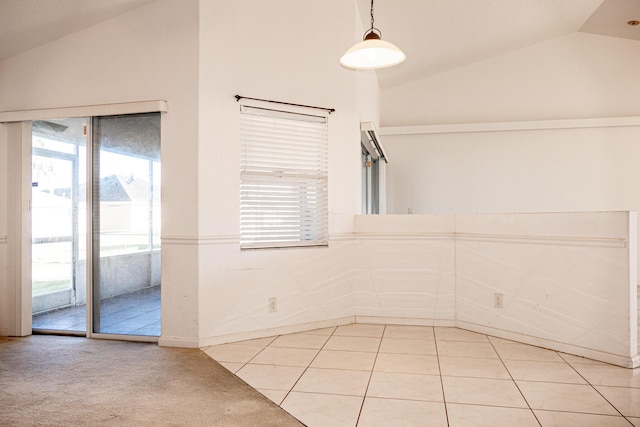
(26, 24)
(436, 35)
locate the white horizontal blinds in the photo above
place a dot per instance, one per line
(283, 179)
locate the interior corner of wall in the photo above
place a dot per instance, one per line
(180, 342)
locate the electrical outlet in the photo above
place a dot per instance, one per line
(273, 305)
(498, 300)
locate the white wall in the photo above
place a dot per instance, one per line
(567, 279)
(284, 50)
(574, 76)
(281, 58)
(553, 170)
(148, 53)
(408, 269)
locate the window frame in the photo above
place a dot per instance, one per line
(283, 178)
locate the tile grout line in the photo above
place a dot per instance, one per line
(235, 374)
(366, 390)
(444, 399)
(514, 382)
(596, 390)
(248, 361)
(241, 363)
(335, 328)
(288, 392)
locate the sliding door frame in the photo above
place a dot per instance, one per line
(17, 131)
(17, 277)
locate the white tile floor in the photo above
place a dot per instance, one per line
(389, 375)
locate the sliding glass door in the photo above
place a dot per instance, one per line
(58, 230)
(117, 291)
(126, 224)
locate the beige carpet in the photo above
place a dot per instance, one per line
(67, 381)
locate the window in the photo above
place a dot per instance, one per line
(283, 179)
(370, 182)
(373, 169)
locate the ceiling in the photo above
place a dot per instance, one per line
(436, 35)
(26, 24)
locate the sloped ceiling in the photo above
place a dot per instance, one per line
(436, 35)
(610, 17)
(439, 35)
(26, 24)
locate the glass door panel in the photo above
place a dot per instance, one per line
(57, 225)
(126, 224)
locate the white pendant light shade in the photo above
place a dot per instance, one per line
(372, 53)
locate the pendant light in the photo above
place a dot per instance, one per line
(372, 52)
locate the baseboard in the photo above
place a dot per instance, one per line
(614, 359)
(4, 332)
(635, 361)
(178, 342)
(405, 321)
(280, 330)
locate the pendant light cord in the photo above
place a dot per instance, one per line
(373, 30)
(371, 14)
